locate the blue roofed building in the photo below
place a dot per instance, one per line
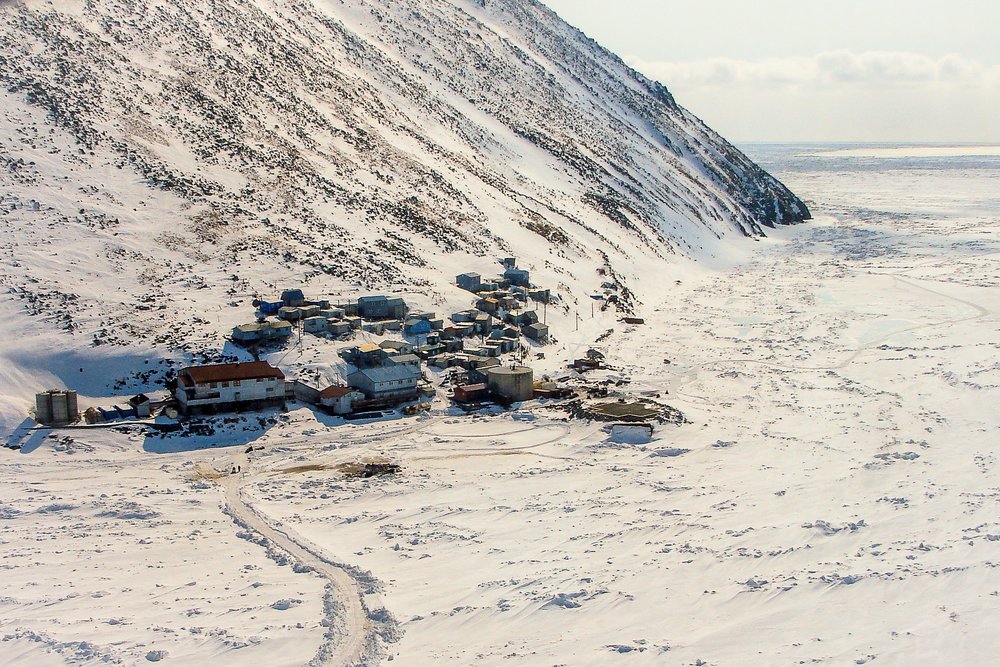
(380, 307)
(469, 281)
(417, 327)
(518, 277)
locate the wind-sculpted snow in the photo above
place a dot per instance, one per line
(354, 141)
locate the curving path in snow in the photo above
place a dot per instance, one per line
(350, 634)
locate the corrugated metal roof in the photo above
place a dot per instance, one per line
(250, 370)
(388, 373)
(337, 392)
(405, 359)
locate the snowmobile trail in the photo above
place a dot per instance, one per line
(350, 630)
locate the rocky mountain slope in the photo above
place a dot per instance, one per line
(153, 149)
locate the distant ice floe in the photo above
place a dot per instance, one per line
(912, 152)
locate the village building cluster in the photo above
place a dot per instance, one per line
(391, 372)
(468, 351)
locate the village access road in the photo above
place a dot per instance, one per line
(350, 631)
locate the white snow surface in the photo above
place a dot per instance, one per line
(832, 500)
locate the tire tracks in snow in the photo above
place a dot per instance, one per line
(354, 630)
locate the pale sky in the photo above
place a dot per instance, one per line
(804, 70)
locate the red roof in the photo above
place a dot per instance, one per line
(250, 370)
(336, 392)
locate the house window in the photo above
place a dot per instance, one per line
(270, 390)
(214, 385)
(225, 384)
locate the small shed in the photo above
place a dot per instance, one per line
(483, 323)
(403, 359)
(340, 400)
(417, 327)
(332, 313)
(518, 277)
(290, 313)
(338, 327)
(469, 281)
(315, 325)
(396, 347)
(293, 297)
(522, 318)
(471, 393)
(488, 305)
(536, 331)
(141, 404)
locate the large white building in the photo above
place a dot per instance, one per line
(249, 384)
(387, 382)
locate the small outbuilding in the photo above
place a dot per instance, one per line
(141, 404)
(396, 347)
(315, 325)
(537, 332)
(417, 327)
(340, 400)
(519, 277)
(471, 393)
(469, 281)
(293, 297)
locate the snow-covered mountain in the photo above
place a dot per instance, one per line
(152, 148)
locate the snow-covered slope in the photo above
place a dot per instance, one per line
(152, 148)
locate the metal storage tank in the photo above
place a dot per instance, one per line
(72, 406)
(43, 407)
(56, 407)
(60, 408)
(514, 384)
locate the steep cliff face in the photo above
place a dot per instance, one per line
(187, 143)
